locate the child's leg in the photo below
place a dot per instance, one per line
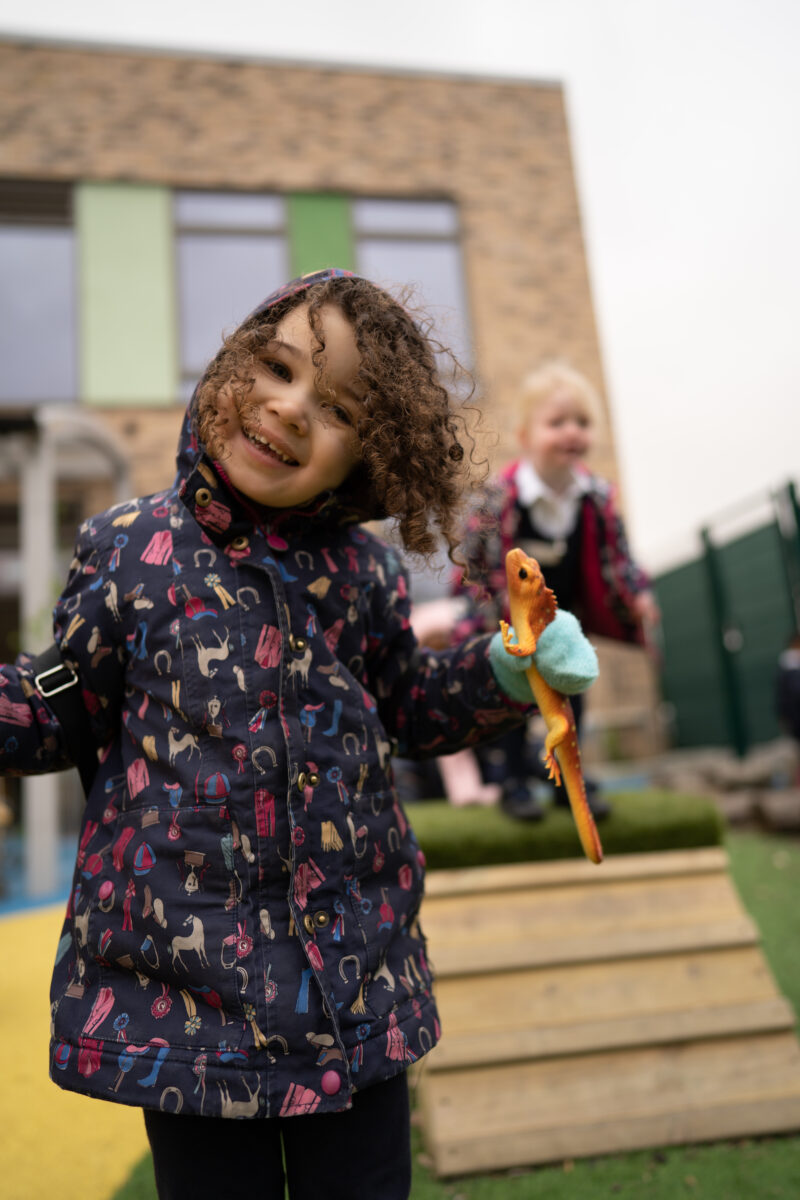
(361, 1154)
(215, 1156)
(506, 761)
(461, 776)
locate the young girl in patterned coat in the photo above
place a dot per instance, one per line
(242, 935)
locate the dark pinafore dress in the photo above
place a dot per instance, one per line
(515, 757)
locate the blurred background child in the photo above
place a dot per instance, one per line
(551, 505)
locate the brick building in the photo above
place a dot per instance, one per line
(148, 200)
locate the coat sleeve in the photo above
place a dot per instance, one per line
(610, 579)
(634, 578)
(432, 702)
(89, 633)
(31, 741)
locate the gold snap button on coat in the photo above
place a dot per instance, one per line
(203, 497)
(321, 919)
(308, 923)
(240, 543)
(302, 780)
(313, 779)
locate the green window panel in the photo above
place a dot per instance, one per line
(320, 232)
(127, 294)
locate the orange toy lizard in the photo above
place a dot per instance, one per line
(533, 606)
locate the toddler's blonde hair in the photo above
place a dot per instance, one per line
(554, 376)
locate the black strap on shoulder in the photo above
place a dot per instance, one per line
(59, 684)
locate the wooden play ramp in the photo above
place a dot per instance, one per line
(589, 1010)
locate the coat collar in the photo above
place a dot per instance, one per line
(229, 520)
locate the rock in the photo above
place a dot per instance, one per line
(780, 809)
(738, 807)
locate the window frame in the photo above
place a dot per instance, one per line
(454, 238)
(46, 205)
(189, 375)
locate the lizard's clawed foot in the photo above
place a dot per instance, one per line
(507, 634)
(554, 771)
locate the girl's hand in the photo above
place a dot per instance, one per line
(646, 609)
(433, 622)
(564, 657)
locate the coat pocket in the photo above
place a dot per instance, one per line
(158, 913)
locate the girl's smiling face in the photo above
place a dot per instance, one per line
(293, 437)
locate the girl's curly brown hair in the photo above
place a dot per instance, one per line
(417, 453)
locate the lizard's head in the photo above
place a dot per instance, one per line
(525, 580)
(526, 572)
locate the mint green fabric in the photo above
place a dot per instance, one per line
(564, 657)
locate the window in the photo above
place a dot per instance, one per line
(232, 252)
(416, 242)
(37, 294)
(234, 248)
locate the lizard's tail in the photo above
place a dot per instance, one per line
(576, 793)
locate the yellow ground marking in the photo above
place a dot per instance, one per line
(54, 1143)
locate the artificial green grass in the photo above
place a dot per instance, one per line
(639, 821)
(141, 1183)
(743, 1170)
(766, 872)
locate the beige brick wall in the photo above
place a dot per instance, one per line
(499, 149)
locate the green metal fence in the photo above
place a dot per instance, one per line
(727, 615)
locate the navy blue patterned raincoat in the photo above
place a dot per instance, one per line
(242, 935)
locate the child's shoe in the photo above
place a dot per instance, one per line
(518, 801)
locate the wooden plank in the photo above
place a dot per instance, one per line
(650, 1029)
(474, 880)
(715, 1123)
(570, 994)
(523, 1113)
(562, 911)
(496, 929)
(649, 1081)
(588, 947)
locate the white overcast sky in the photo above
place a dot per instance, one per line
(685, 124)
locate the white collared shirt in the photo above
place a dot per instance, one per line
(554, 513)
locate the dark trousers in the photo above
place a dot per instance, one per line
(512, 759)
(361, 1154)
